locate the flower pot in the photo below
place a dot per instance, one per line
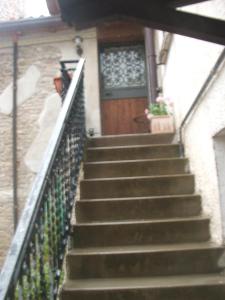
(58, 84)
(162, 124)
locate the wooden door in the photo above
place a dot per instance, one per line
(123, 116)
(123, 89)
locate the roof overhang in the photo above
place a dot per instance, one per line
(157, 14)
(24, 26)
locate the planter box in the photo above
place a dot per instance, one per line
(160, 124)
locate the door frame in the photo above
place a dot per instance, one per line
(105, 38)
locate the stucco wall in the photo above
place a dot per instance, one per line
(93, 118)
(219, 142)
(38, 107)
(188, 66)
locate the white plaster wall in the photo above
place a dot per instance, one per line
(190, 61)
(207, 121)
(91, 80)
(93, 117)
(189, 64)
(219, 143)
(67, 50)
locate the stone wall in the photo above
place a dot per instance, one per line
(189, 64)
(38, 108)
(43, 59)
(6, 227)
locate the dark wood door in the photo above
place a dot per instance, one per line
(123, 89)
(124, 116)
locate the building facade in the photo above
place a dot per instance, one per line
(115, 101)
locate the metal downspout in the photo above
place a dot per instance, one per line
(14, 133)
(152, 80)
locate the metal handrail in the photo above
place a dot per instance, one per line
(33, 267)
(198, 98)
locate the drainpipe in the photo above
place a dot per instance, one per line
(152, 81)
(14, 131)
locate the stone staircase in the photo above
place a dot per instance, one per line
(139, 231)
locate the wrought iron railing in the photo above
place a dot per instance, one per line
(66, 73)
(33, 267)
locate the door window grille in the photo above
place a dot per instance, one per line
(123, 72)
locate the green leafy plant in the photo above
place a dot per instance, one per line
(162, 107)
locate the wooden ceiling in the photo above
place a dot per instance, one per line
(157, 14)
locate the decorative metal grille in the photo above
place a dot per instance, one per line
(123, 67)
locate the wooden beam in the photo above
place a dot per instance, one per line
(120, 32)
(179, 22)
(88, 13)
(72, 8)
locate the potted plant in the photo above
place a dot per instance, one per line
(160, 116)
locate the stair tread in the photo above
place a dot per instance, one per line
(132, 146)
(146, 282)
(118, 162)
(140, 198)
(117, 256)
(138, 177)
(131, 135)
(144, 221)
(144, 249)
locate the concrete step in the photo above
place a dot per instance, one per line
(145, 232)
(132, 168)
(132, 139)
(131, 152)
(192, 287)
(137, 186)
(144, 261)
(138, 208)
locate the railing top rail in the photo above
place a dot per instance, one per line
(20, 240)
(204, 88)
